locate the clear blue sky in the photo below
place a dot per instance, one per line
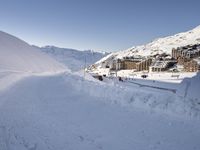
(106, 25)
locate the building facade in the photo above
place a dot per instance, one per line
(187, 52)
(192, 66)
(187, 56)
(137, 64)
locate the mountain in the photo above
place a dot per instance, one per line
(17, 55)
(61, 111)
(74, 59)
(160, 45)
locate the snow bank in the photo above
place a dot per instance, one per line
(140, 97)
(66, 112)
(8, 79)
(17, 55)
(192, 88)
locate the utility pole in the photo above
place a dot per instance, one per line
(84, 66)
(116, 68)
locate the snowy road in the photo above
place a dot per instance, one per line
(154, 87)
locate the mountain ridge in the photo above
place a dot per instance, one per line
(17, 55)
(74, 59)
(159, 45)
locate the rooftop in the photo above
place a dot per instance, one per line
(197, 60)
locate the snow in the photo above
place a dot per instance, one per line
(64, 112)
(75, 60)
(7, 79)
(171, 77)
(43, 106)
(197, 60)
(17, 55)
(18, 59)
(192, 88)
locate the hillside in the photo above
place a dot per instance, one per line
(74, 59)
(158, 46)
(18, 59)
(62, 110)
(17, 55)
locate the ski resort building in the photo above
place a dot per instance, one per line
(132, 63)
(186, 53)
(161, 65)
(188, 56)
(193, 65)
(116, 64)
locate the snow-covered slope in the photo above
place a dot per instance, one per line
(73, 59)
(17, 55)
(161, 45)
(66, 112)
(192, 88)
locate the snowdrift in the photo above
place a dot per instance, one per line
(67, 112)
(192, 88)
(17, 55)
(178, 104)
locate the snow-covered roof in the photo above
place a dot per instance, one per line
(159, 64)
(197, 60)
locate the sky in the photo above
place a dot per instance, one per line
(102, 25)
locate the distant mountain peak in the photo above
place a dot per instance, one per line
(73, 59)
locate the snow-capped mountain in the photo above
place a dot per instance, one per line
(17, 55)
(160, 45)
(66, 111)
(73, 59)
